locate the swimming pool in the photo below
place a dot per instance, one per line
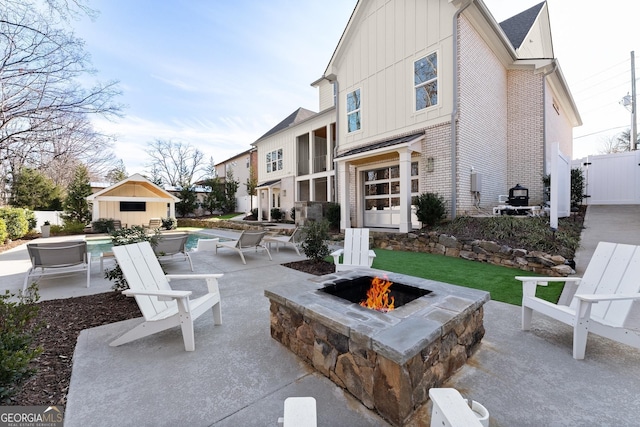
(98, 246)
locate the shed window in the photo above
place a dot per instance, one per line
(133, 206)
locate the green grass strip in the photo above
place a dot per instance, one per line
(497, 280)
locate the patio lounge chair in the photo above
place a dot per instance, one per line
(154, 223)
(294, 240)
(162, 307)
(58, 258)
(247, 240)
(356, 252)
(171, 246)
(602, 302)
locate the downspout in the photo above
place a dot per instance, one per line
(336, 102)
(544, 116)
(454, 111)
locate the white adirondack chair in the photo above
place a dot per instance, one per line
(162, 307)
(450, 409)
(602, 302)
(356, 252)
(299, 412)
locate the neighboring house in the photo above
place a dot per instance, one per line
(241, 165)
(295, 161)
(431, 96)
(134, 201)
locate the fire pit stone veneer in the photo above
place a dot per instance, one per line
(388, 361)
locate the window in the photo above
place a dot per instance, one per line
(353, 111)
(382, 187)
(425, 80)
(274, 160)
(133, 206)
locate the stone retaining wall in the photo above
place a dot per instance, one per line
(477, 250)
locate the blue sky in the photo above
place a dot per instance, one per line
(218, 74)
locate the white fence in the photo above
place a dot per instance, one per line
(560, 186)
(52, 216)
(611, 179)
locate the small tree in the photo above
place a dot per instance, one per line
(577, 187)
(230, 190)
(188, 201)
(212, 200)
(314, 244)
(430, 209)
(252, 185)
(32, 190)
(76, 207)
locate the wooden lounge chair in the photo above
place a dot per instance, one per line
(602, 302)
(248, 240)
(356, 252)
(154, 224)
(172, 246)
(162, 307)
(58, 258)
(294, 240)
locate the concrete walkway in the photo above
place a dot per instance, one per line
(240, 376)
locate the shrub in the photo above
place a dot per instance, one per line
(169, 223)
(276, 214)
(314, 243)
(577, 187)
(73, 227)
(254, 213)
(292, 213)
(31, 219)
(3, 231)
(103, 225)
(17, 330)
(16, 222)
(127, 236)
(430, 209)
(333, 215)
(56, 230)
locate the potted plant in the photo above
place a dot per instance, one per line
(45, 229)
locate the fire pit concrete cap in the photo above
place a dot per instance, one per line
(397, 335)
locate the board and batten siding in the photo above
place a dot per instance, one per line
(377, 56)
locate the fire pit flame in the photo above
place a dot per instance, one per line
(378, 295)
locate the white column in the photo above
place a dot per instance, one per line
(259, 204)
(172, 209)
(312, 190)
(342, 175)
(312, 144)
(329, 189)
(329, 153)
(405, 190)
(269, 203)
(95, 215)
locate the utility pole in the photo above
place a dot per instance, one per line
(634, 125)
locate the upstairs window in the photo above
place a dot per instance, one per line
(425, 80)
(353, 111)
(274, 160)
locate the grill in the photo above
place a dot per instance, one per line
(518, 196)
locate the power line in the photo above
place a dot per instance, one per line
(601, 131)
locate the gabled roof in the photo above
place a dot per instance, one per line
(136, 179)
(382, 144)
(296, 117)
(517, 27)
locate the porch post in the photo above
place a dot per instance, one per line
(172, 209)
(405, 190)
(344, 194)
(269, 203)
(96, 210)
(259, 203)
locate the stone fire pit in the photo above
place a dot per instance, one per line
(388, 361)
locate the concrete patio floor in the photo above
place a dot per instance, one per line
(240, 376)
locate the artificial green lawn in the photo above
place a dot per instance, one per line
(499, 281)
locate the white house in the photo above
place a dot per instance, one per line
(427, 96)
(241, 165)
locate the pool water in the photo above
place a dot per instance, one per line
(96, 247)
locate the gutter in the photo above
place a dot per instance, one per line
(454, 111)
(554, 67)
